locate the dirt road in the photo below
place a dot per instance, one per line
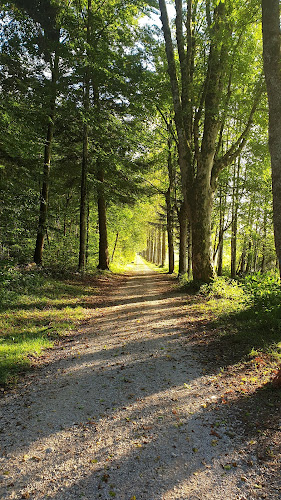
(125, 411)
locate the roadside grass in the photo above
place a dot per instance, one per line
(246, 315)
(36, 308)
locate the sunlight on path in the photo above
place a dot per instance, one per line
(139, 266)
(122, 410)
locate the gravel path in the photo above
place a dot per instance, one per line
(125, 411)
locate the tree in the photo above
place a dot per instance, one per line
(200, 121)
(272, 70)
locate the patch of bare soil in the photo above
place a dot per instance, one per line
(130, 408)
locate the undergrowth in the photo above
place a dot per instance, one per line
(247, 312)
(36, 307)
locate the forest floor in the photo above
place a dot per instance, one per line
(144, 401)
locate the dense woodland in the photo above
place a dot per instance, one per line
(140, 127)
(118, 136)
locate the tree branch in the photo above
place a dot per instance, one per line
(238, 145)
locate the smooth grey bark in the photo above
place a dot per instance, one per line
(272, 70)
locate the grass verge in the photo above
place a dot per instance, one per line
(36, 308)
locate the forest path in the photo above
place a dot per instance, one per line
(124, 411)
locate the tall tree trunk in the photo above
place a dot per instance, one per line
(272, 70)
(189, 252)
(221, 232)
(198, 184)
(83, 190)
(202, 265)
(84, 170)
(263, 262)
(103, 245)
(154, 247)
(163, 254)
(249, 258)
(183, 223)
(159, 246)
(150, 250)
(170, 232)
(43, 210)
(115, 245)
(234, 223)
(169, 204)
(87, 231)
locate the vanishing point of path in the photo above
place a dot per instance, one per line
(122, 411)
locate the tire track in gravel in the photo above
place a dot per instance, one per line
(123, 412)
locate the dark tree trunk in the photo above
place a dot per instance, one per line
(83, 201)
(84, 170)
(43, 210)
(115, 245)
(103, 245)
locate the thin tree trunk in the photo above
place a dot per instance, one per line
(163, 254)
(159, 246)
(88, 226)
(154, 246)
(263, 262)
(150, 248)
(221, 233)
(170, 232)
(103, 244)
(183, 223)
(169, 205)
(234, 225)
(115, 245)
(189, 252)
(43, 210)
(84, 170)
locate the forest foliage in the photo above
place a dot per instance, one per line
(119, 135)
